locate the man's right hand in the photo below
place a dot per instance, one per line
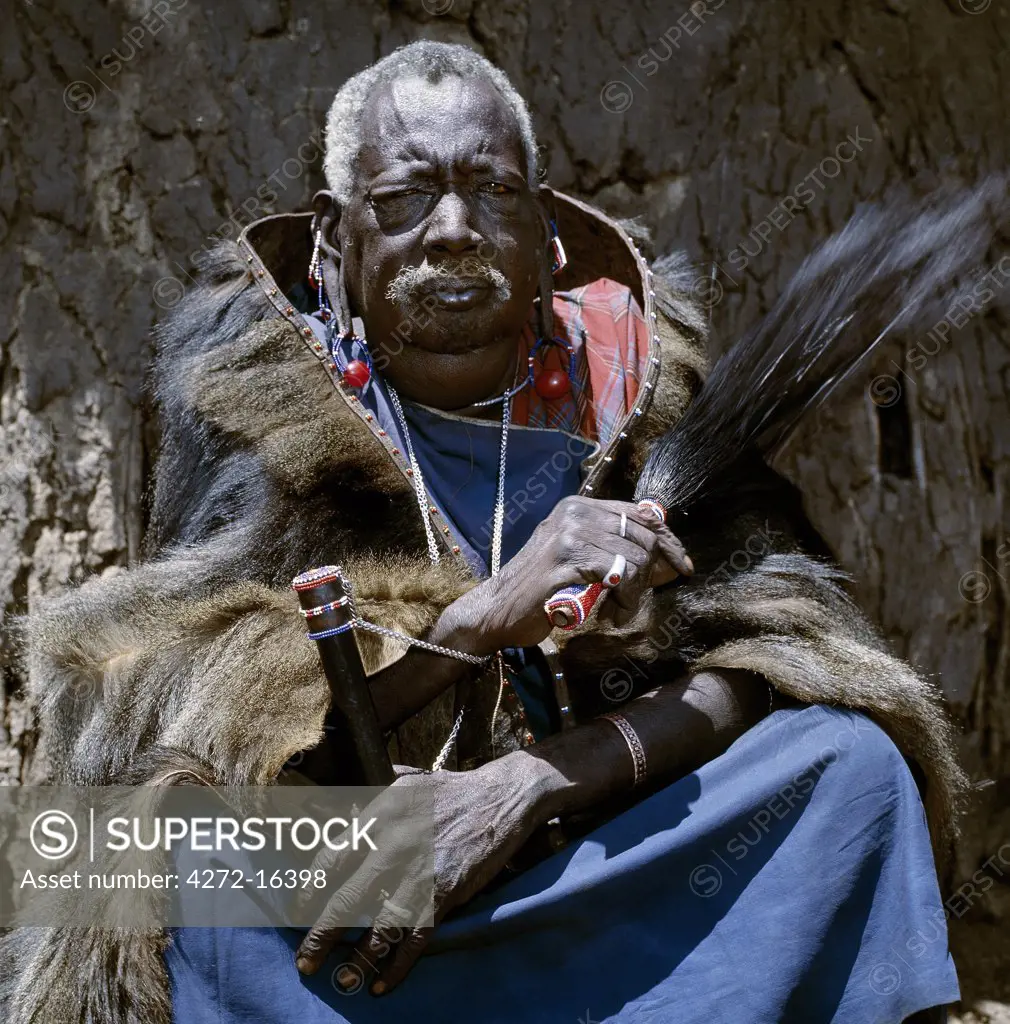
(575, 544)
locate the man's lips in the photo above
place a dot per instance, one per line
(457, 294)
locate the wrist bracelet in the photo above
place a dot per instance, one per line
(634, 744)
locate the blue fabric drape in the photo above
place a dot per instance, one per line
(789, 880)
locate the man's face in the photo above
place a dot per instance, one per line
(442, 239)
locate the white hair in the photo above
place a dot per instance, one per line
(426, 59)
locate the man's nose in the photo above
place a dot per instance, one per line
(449, 229)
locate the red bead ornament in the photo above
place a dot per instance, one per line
(551, 384)
(357, 374)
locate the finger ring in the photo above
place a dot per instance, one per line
(397, 913)
(616, 573)
(624, 523)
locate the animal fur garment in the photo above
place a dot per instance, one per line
(194, 664)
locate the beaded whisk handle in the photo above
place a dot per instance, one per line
(326, 600)
(569, 607)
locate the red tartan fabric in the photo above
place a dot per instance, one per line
(610, 338)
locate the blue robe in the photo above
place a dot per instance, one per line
(789, 880)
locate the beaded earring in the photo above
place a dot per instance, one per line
(552, 384)
(358, 372)
(316, 278)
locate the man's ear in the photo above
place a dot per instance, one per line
(326, 210)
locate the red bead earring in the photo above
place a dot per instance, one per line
(552, 384)
(357, 374)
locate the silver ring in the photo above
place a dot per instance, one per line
(399, 914)
(624, 523)
(616, 573)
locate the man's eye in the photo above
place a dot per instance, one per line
(400, 193)
(393, 209)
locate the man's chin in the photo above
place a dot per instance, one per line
(458, 332)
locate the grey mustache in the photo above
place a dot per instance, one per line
(409, 281)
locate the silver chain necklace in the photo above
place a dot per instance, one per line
(423, 504)
(500, 398)
(421, 492)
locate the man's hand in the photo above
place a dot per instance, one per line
(576, 543)
(482, 818)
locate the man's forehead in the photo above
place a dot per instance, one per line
(411, 118)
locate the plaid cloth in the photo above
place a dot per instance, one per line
(610, 338)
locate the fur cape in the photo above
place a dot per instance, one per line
(196, 659)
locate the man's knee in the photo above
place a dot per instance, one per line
(851, 744)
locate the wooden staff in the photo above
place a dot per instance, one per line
(354, 748)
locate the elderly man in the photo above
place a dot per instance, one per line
(446, 379)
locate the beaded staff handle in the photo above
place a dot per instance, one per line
(325, 597)
(569, 607)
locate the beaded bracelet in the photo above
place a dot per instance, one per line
(634, 744)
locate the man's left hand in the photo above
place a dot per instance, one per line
(481, 819)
